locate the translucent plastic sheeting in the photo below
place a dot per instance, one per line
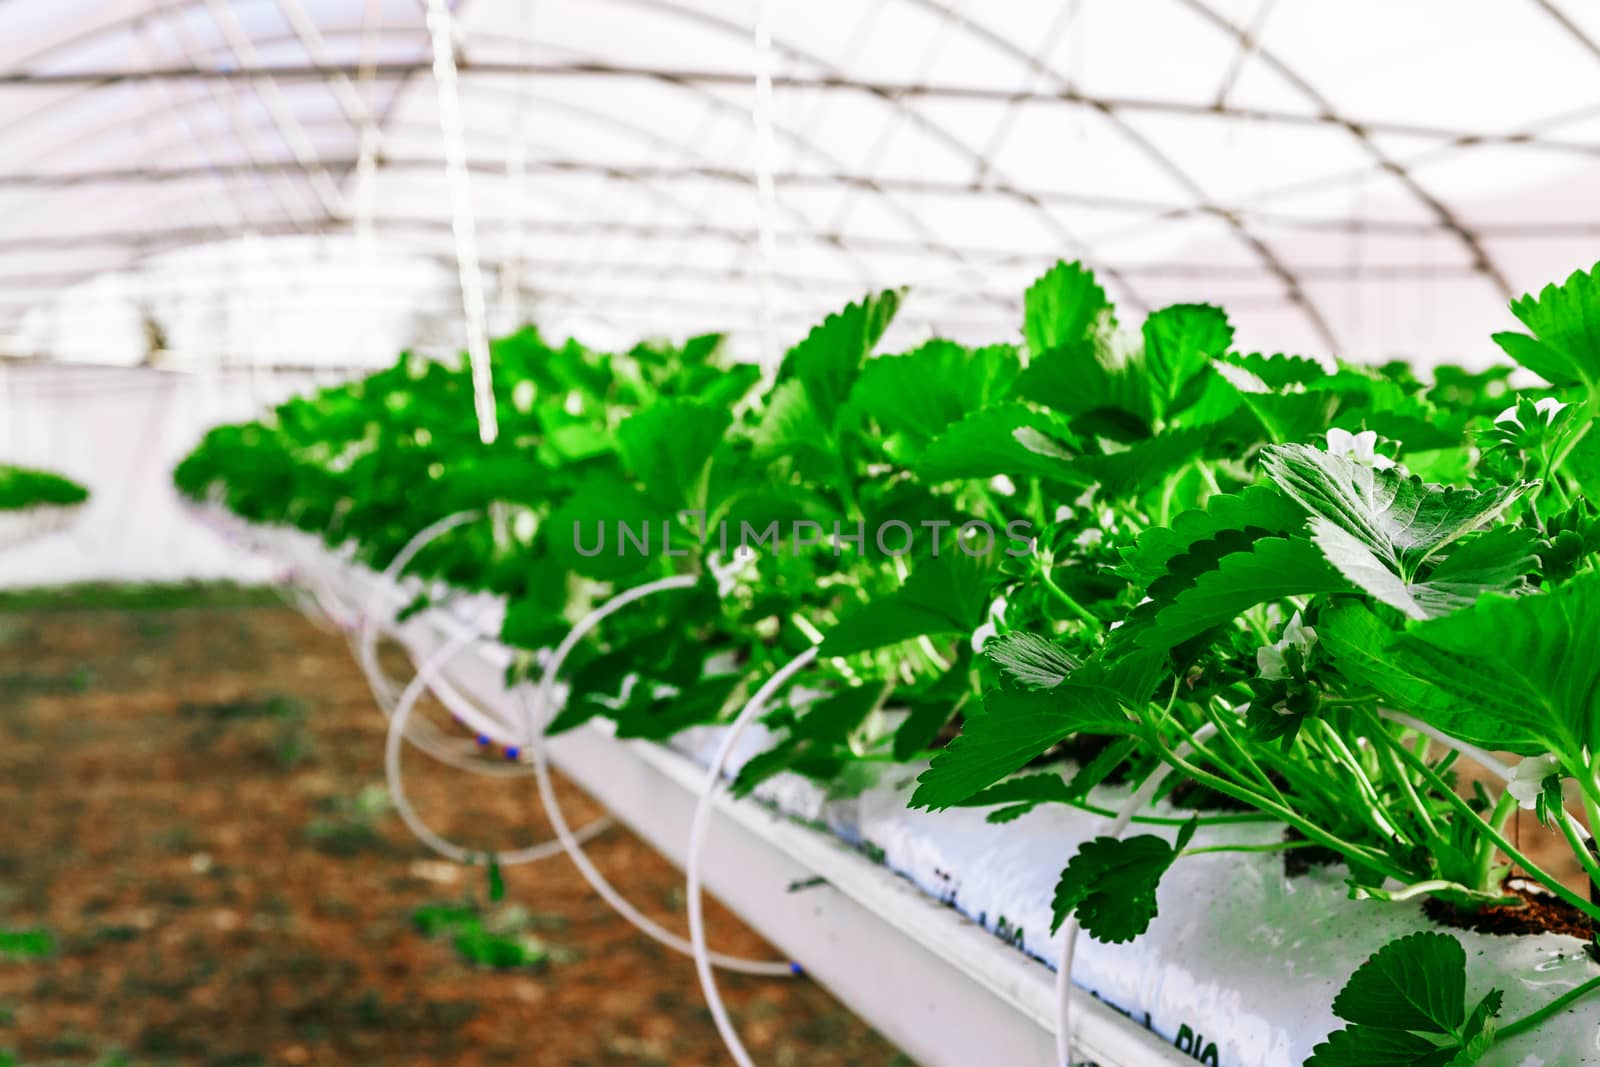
(1363, 178)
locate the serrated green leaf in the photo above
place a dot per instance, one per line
(1417, 982)
(1032, 661)
(923, 392)
(828, 360)
(1565, 323)
(1407, 1004)
(985, 443)
(1368, 652)
(1255, 508)
(1064, 306)
(1521, 667)
(1180, 341)
(943, 595)
(1010, 729)
(1146, 464)
(1495, 562)
(1401, 519)
(1365, 1046)
(1273, 568)
(667, 447)
(1111, 884)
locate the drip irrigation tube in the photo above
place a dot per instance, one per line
(552, 806)
(697, 836)
(427, 675)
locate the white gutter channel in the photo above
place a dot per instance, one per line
(1239, 969)
(21, 525)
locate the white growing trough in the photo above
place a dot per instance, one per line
(933, 926)
(18, 526)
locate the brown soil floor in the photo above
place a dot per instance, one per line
(194, 810)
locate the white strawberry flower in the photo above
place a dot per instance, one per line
(997, 615)
(1271, 660)
(1548, 406)
(1527, 781)
(1360, 447)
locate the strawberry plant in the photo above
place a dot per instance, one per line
(23, 487)
(1299, 593)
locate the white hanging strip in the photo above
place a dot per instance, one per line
(461, 220)
(766, 191)
(510, 310)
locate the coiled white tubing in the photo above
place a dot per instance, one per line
(697, 837)
(570, 841)
(383, 689)
(1142, 797)
(426, 676)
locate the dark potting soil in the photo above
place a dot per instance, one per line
(1540, 913)
(1305, 858)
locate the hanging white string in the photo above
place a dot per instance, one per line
(510, 311)
(462, 226)
(766, 189)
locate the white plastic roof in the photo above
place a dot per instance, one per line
(1363, 178)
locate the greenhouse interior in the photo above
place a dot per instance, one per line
(760, 532)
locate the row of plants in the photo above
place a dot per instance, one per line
(24, 487)
(1301, 592)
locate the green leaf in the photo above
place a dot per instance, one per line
(1565, 323)
(1256, 508)
(1407, 1004)
(923, 392)
(943, 595)
(1371, 654)
(1417, 982)
(656, 718)
(1032, 661)
(1111, 884)
(1026, 792)
(1064, 306)
(583, 534)
(497, 881)
(1292, 416)
(827, 362)
(1495, 562)
(1143, 465)
(1180, 341)
(667, 447)
(1273, 568)
(789, 425)
(1001, 439)
(1010, 729)
(1364, 1046)
(1401, 519)
(1520, 667)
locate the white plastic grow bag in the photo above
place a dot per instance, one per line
(20, 525)
(1240, 968)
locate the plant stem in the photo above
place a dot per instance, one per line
(1375, 809)
(1539, 1015)
(1072, 605)
(1272, 846)
(1309, 829)
(1539, 874)
(1503, 809)
(1580, 847)
(1409, 790)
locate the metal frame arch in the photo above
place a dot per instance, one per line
(1447, 220)
(1159, 158)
